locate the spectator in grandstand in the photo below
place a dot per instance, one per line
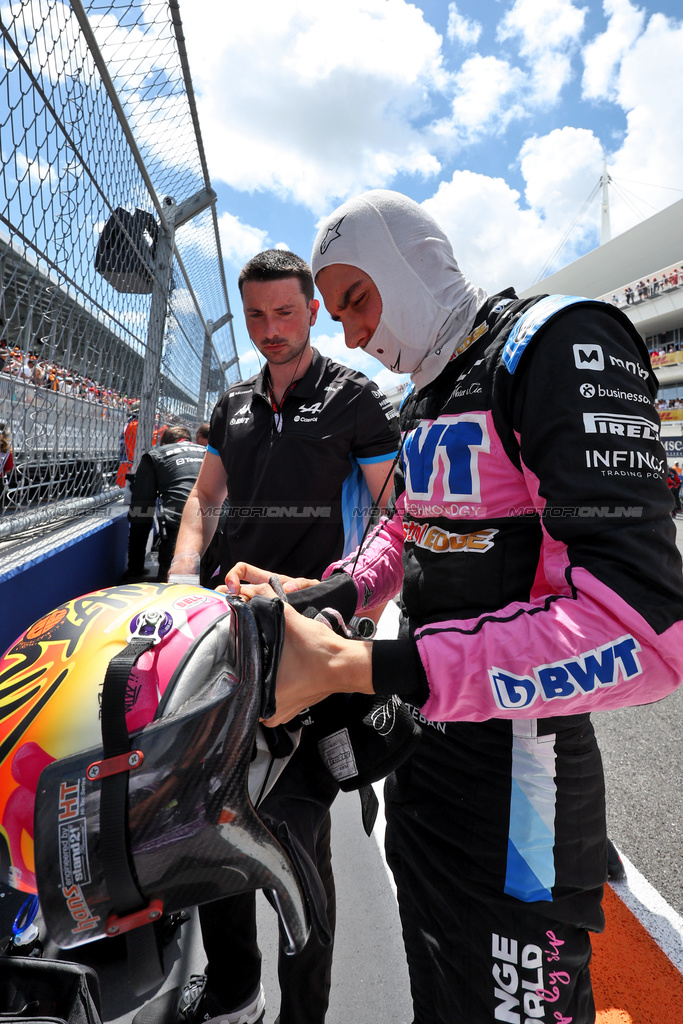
(300, 433)
(673, 482)
(6, 461)
(4, 355)
(162, 484)
(6, 456)
(496, 824)
(14, 360)
(202, 435)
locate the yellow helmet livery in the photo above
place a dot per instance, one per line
(127, 728)
(51, 685)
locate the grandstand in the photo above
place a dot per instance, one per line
(652, 250)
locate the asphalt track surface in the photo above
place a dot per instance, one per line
(642, 755)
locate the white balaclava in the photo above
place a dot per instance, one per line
(428, 306)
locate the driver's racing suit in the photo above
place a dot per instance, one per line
(540, 581)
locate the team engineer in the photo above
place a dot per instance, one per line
(297, 448)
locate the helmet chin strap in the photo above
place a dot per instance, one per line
(145, 959)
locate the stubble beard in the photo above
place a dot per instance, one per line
(290, 354)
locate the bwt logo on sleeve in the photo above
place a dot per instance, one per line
(561, 680)
(589, 357)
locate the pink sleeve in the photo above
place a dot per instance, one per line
(583, 650)
(378, 573)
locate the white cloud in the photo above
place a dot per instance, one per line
(239, 241)
(549, 25)
(491, 92)
(332, 345)
(35, 32)
(603, 55)
(250, 361)
(320, 101)
(461, 28)
(547, 34)
(496, 240)
(485, 97)
(310, 102)
(560, 170)
(652, 148)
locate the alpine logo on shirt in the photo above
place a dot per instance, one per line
(570, 677)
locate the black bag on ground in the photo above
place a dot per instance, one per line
(50, 991)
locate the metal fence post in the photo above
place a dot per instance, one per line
(149, 391)
(211, 327)
(204, 379)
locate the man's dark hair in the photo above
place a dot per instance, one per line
(275, 264)
(202, 431)
(172, 434)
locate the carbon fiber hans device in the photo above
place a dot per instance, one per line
(193, 835)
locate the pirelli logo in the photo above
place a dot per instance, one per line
(620, 425)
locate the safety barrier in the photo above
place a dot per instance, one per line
(113, 299)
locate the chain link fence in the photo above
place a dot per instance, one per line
(114, 309)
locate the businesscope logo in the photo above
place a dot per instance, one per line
(570, 677)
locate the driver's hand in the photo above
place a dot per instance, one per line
(242, 574)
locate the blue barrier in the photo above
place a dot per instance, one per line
(38, 582)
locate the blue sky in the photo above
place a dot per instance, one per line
(493, 113)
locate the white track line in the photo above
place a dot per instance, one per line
(661, 921)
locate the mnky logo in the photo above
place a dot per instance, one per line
(589, 357)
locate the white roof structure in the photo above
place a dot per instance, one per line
(642, 253)
(639, 252)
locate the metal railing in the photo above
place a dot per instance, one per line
(660, 282)
(113, 299)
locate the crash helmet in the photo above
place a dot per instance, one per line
(51, 682)
(111, 839)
